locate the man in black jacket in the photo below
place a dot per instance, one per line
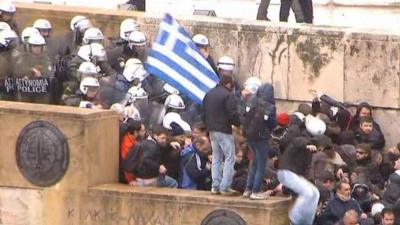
(150, 172)
(367, 133)
(219, 114)
(342, 202)
(293, 166)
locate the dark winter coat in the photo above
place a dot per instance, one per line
(296, 157)
(220, 110)
(149, 164)
(337, 207)
(118, 56)
(259, 116)
(375, 138)
(392, 193)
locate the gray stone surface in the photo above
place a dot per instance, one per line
(372, 72)
(21, 206)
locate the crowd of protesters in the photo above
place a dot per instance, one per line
(334, 162)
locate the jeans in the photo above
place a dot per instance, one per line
(304, 209)
(223, 146)
(167, 181)
(160, 181)
(257, 168)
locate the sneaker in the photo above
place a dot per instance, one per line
(259, 196)
(229, 192)
(246, 193)
(215, 191)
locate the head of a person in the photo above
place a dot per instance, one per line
(251, 86)
(44, 27)
(199, 129)
(239, 156)
(323, 143)
(202, 42)
(351, 218)
(364, 109)
(376, 210)
(137, 43)
(343, 188)
(366, 124)
(396, 164)
(377, 157)
(202, 144)
(160, 134)
(136, 128)
(89, 86)
(388, 216)
(7, 10)
(357, 172)
(118, 108)
(80, 24)
(227, 82)
(225, 65)
(363, 151)
(305, 109)
(36, 44)
(328, 180)
(360, 191)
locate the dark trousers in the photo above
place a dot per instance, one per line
(306, 6)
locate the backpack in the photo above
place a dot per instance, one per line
(132, 159)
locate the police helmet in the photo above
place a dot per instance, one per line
(314, 125)
(174, 101)
(127, 26)
(88, 82)
(226, 63)
(92, 35)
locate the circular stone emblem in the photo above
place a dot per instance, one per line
(223, 217)
(42, 153)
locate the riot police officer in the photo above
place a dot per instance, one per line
(8, 40)
(7, 11)
(135, 48)
(33, 72)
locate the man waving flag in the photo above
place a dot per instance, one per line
(175, 59)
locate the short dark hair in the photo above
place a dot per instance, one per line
(339, 184)
(366, 119)
(158, 130)
(225, 79)
(387, 211)
(359, 170)
(133, 125)
(364, 146)
(325, 176)
(304, 108)
(200, 126)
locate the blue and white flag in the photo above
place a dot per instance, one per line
(175, 59)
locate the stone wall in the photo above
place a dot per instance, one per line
(347, 65)
(92, 139)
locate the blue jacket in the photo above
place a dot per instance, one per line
(193, 170)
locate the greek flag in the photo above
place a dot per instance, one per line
(175, 59)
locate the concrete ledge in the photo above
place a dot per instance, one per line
(91, 135)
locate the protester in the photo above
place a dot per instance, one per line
(259, 118)
(220, 113)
